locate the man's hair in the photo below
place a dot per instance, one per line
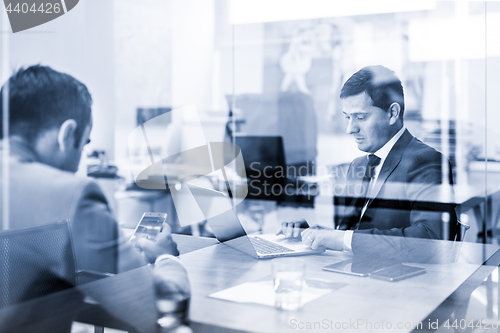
(41, 98)
(380, 83)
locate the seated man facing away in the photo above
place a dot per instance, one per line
(49, 124)
(399, 188)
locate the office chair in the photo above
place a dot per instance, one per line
(34, 263)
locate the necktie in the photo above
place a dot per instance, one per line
(373, 162)
(351, 222)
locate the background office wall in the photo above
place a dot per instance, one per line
(142, 64)
(240, 50)
(164, 58)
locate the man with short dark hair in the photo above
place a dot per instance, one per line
(398, 188)
(49, 124)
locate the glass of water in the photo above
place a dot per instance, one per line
(288, 279)
(172, 306)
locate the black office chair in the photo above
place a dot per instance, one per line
(34, 263)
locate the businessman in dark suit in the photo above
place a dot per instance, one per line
(399, 187)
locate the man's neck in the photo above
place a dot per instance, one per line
(396, 130)
(22, 150)
(387, 147)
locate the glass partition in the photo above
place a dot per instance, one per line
(267, 76)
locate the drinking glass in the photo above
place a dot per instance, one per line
(172, 306)
(288, 280)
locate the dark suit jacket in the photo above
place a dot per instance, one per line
(40, 194)
(409, 196)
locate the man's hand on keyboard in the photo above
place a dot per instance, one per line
(293, 229)
(323, 239)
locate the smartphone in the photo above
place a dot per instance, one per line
(397, 273)
(347, 267)
(150, 225)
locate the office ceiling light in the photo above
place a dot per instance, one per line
(256, 11)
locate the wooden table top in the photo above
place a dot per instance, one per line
(214, 267)
(218, 267)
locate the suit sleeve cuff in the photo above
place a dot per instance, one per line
(348, 240)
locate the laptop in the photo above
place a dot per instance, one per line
(227, 228)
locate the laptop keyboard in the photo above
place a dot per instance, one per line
(266, 247)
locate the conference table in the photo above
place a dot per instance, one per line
(427, 298)
(454, 270)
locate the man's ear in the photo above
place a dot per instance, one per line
(66, 135)
(394, 111)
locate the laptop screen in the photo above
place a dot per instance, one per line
(260, 152)
(222, 219)
(217, 209)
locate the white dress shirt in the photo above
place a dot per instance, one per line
(382, 153)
